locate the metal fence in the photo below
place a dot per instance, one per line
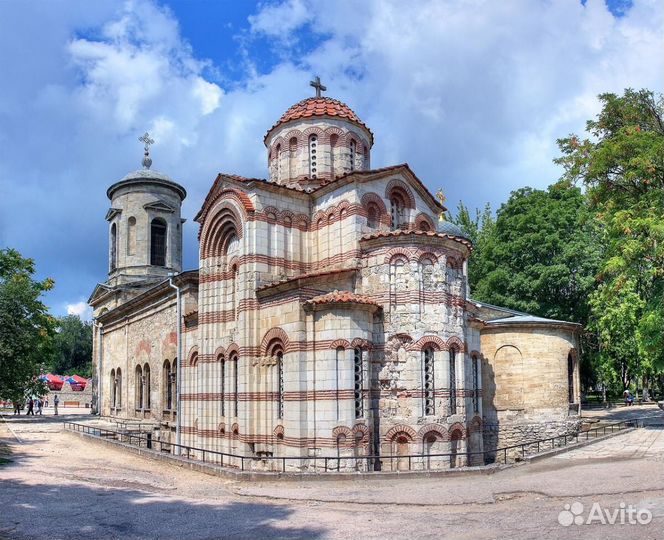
(362, 463)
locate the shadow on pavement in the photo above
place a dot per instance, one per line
(47, 511)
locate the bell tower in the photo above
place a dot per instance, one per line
(144, 225)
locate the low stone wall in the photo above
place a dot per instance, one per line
(500, 435)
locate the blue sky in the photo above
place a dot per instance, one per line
(473, 95)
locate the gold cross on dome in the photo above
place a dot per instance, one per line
(318, 86)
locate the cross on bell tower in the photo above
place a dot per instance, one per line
(318, 86)
(147, 141)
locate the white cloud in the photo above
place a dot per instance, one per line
(81, 309)
(472, 94)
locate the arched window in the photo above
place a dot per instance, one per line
(453, 385)
(222, 365)
(292, 151)
(397, 210)
(373, 215)
(366, 158)
(114, 246)
(131, 236)
(118, 388)
(114, 388)
(476, 384)
(313, 147)
(174, 383)
(353, 154)
(429, 382)
(236, 398)
(334, 140)
(138, 386)
(358, 379)
(146, 386)
(424, 226)
(167, 389)
(158, 242)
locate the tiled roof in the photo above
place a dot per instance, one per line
(320, 106)
(315, 274)
(387, 234)
(343, 297)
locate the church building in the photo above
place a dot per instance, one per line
(329, 316)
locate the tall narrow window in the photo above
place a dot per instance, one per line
(373, 216)
(476, 385)
(222, 366)
(397, 206)
(236, 398)
(365, 165)
(114, 388)
(279, 170)
(288, 236)
(114, 247)
(232, 291)
(338, 364)
(131, 236)
(280, 384)
(139, 387)
(292, 151)
(313, 147)
(570, 378)
(358, 382)
(118, 401)
(158, 242)
(353, 154)
(146, 386)
(429, 382)
(334, 139)
(174, 383)
(168, 396)
(453, 385)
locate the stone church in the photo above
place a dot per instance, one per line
(330, 316)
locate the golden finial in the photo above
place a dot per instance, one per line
(441, 199)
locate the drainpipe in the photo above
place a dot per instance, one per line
(178, 373)
(100, 357)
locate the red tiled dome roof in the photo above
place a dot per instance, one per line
(320, 106)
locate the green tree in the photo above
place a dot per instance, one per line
(72, 346)
(539, 256)
(26, 328)
(622, 168)
(480, 228)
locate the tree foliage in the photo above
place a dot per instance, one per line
(26, 328)
(622, 168)
(72, 347)
(539, 256)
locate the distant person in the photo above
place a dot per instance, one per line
(17, 408)
(31, 407)
(46, 402)
(40, 406)
(56, 402)
(629, 398)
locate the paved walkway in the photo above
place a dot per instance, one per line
(60, 486)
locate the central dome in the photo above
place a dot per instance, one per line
(315, 141)
(320, 106)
